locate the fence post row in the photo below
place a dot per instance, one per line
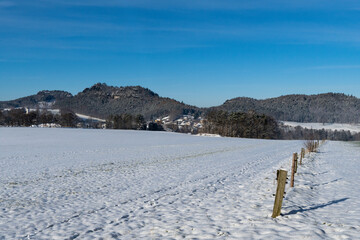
(280, 190)
(282, 176)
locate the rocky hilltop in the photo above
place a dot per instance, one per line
(102, 100)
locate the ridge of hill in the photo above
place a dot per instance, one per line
(322, 108)
(43, 99)
(102, 100)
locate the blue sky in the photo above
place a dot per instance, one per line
(200, 52)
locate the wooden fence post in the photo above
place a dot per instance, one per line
(302, 154)
(280, 190)
(292, 171)
(296, 161)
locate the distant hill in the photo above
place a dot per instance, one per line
(323, 108)
(102, 100)
(43, 99)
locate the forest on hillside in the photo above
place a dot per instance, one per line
(321, 108)
(253, 125)
(21, 118)
(242, 125)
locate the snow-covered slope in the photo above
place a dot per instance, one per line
(354, 128)
(82, 116)
(86, 184)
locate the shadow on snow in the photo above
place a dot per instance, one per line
(303, 209)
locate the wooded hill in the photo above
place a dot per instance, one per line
(43, 99)
(323, 108)
(102, 101)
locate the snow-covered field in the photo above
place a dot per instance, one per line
(88, 184)
(354, 128)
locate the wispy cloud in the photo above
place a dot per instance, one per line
(74, 26)
(296, 32)
(5, 4)
(329, 67)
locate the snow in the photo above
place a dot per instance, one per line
(207, 135)
(86, 117)
(354, 128)
(47, 125)
(87, 184)
(54, 111)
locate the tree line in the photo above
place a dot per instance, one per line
(253, 125)
(134, 122)
(240, 124)
(298, 132)
(234, 124)
(19, 117)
